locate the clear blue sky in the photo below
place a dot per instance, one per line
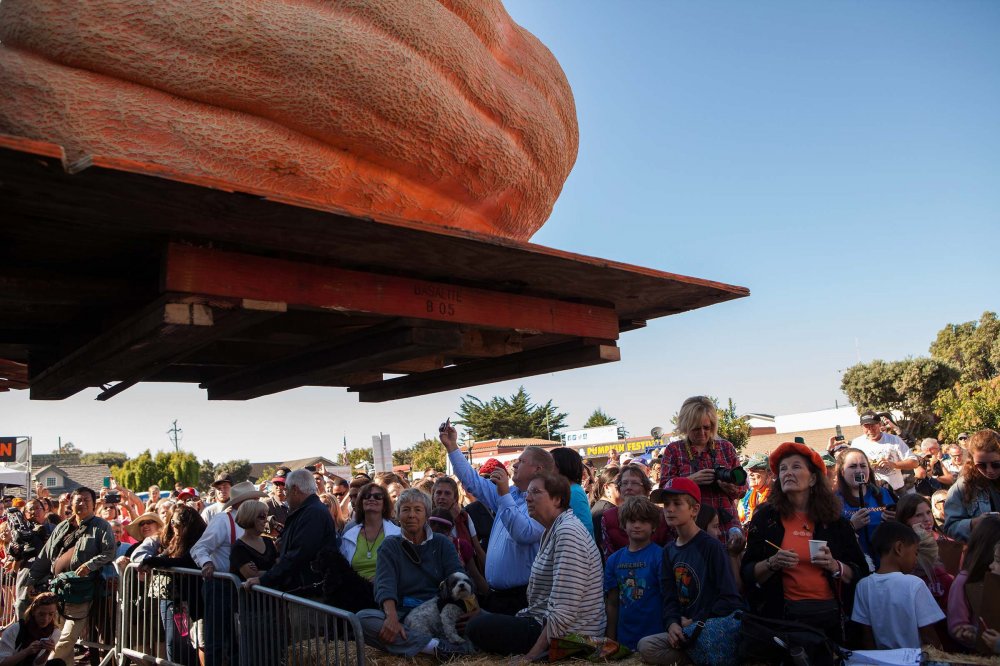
(840, 159)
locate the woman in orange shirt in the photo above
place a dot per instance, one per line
(782, 577)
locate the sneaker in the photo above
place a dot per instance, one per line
(446, 650)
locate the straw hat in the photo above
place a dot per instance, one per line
(133, 527)
(242, 492)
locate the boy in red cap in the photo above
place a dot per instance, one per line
(699, 591)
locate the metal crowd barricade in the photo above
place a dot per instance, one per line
(281, 629)
(102, 625)
(8, 597)
(173, 616)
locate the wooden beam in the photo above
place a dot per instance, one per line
(229, 274)
(575, 354)
(164, 331)
(323, 363)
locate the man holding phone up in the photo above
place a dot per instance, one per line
(515, 536)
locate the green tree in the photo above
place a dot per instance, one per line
(109, 458)
(66, 448)
(968, 407)
(266, 474)
(238, 469)
(177, 467)
(909, 386)
(514, 417)
(425, 453)
(357, 456)
(206, 473)
(599, 418)
(732, 426)
(972, 347)
(138, 473)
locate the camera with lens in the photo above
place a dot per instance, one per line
(113, 497)
(21, 531)
(736, 475)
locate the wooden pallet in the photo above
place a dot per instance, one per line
(114, 272)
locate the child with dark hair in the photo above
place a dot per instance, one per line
(895, 609)
(632, 576)
(441, 522)
(983, 556)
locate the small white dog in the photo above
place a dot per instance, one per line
(437, 617)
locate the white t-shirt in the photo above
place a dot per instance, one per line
(888, 447)
(895, 606)
(10, 633)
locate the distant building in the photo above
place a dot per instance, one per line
(816, 428)
(58, 479)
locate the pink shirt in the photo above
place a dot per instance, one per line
(959, 610)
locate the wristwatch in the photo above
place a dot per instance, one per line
(839, 572)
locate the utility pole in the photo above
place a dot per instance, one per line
(176, 435)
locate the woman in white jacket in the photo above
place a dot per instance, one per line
(361, 541)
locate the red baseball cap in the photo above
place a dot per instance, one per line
(679, 485)
(186, 493)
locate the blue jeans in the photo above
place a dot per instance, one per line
(371, 622)
(179, 648)
(219, 616)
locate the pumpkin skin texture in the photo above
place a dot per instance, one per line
(439, 111)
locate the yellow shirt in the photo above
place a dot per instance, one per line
(366, 555)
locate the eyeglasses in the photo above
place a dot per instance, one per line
(707, 428)
(377, 498)
(993, 464)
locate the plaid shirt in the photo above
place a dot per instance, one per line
(680, 459)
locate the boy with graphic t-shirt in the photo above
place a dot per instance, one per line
(695, 578)
(895, 609)
(632, 576)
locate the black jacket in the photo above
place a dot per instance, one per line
(768, 598)
(309, 530)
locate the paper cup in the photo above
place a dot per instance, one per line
(814, 546)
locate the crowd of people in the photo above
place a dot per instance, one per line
(665, 555)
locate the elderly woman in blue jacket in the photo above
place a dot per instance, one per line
(410, 567)
(977, 491)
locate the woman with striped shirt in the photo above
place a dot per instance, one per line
(565, 587)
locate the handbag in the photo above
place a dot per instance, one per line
(713, 641)
(770, 641)
(70, 588)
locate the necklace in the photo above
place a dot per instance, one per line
(370, 545)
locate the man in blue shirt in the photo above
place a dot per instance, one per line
(515, 536)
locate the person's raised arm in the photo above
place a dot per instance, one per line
(483, 489)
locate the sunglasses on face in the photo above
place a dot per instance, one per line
(994, 464)
(377, 498)
(339, 495)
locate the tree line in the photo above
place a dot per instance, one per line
(955, 389)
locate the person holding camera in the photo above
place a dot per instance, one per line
(931, 473)
(706, 459)
(29, 531)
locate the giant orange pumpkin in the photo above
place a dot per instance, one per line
(442, 111)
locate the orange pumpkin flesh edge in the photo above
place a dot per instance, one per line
(442, 112)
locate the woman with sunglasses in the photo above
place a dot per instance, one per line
(698, 454)
(361, 542)
(180, 596)
(977, 492)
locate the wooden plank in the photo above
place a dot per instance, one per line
(358, 353)
(566, 356)
(202, 271)
(153, 338)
